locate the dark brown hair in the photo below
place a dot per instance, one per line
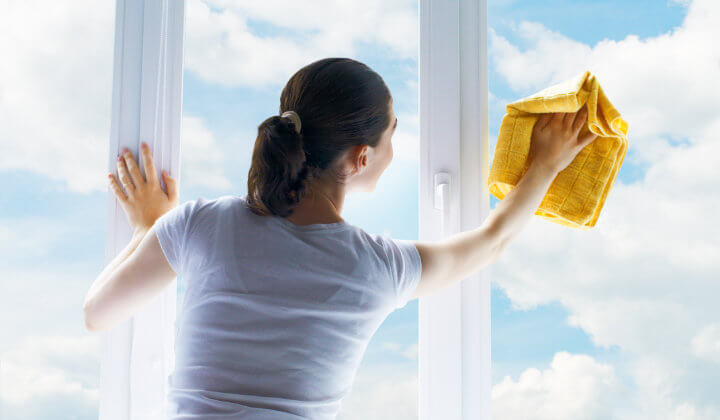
(341, 103)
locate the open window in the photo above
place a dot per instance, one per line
(450, 194)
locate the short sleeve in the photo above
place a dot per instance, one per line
(172, 233)
(405, 266)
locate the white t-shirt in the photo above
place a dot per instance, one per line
(276, 317)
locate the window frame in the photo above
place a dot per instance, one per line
(454, 325)
(137, 357)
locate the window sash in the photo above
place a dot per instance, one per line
(137, 356)
(454, 325)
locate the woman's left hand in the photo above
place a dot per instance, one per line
(143, 199)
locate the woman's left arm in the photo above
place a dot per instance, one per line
(141, 270)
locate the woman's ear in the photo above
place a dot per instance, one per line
(359, 158)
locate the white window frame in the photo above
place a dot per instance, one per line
(137, 357)
(454, 325)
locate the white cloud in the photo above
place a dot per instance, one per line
(410, 352)
(706, 344)
(405, 141)
(19, 240)
(55, 90)
(574, 387)
(382, 393)
(406, 146)
(222, 46)
(202, 158)
(48, 363)
(37, 368)
(657, 389)
(665, 86)
(645, 278)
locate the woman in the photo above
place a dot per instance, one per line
(283, 294)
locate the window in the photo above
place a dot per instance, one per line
(160, 50)
(228, 91)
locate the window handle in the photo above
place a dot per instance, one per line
(442, 200)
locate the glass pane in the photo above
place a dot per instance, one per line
(55, 93)
(620, 321)
(238, 57)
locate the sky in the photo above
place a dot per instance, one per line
(616, 322)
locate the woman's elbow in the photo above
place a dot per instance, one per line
(91, 323)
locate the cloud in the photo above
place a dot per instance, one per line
(42, 368)
(202, 158)
(665, 86)
(410, 352)
(574, 387)
(382, 393)
(706, 344)
(406, 146)
(55, 95)
(48, 363)
(223, 47)
(645, 278)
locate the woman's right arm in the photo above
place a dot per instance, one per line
(554, 145)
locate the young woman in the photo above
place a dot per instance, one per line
(283, 294)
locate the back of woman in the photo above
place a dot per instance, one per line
(276, 316)
(282, 294)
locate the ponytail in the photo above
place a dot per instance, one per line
(280, 172)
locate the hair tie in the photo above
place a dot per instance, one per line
(294, 117)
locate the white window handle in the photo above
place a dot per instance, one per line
(442, 200)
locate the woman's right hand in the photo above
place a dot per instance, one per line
(555, 143)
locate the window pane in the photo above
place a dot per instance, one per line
(620, 321)
(55, 93)
(238, 57)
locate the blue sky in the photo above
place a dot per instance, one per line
(598, 314)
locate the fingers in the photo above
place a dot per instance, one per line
(543, 120)
(148, 164)
(115, 187)
(171, 185)
(556, 117)
(580, 118)
(125, 177)
(133, 168)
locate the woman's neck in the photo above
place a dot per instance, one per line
(322, 204)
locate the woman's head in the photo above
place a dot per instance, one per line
(347, 121)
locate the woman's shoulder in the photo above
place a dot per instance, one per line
(204, 204)
(203, 209)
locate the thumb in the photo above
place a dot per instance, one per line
(171, 186)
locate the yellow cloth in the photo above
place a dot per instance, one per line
(576, 196)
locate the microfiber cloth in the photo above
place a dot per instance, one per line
(577, 194)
